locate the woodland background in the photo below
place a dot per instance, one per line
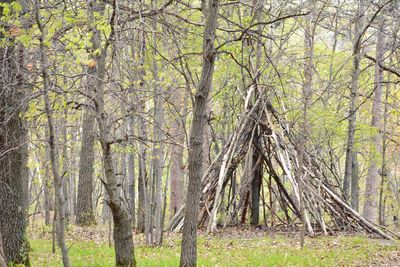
(109, 109)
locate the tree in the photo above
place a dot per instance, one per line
(13, 148)
(85, 214)
(350, 180)
(84, 209)
(52, 141)
(370, 210)
(189, 233)
(122, 233)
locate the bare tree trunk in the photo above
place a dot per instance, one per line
(370, 210)
(46, 189)
(58, 180)
(350, 152)
(65, 168)
(355, 190)
(122, 231)
(177, 172)
(142, 213)
(306, 131)
(384, 168)
(189, 233)
(72, 184)
(85, 213)
(84, 206)
(158, 149)
(131, 172)
(143, 199)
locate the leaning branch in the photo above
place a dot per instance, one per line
(385, 68)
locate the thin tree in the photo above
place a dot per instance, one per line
(189, 233)
(350, 180)
(370, 210)
(53, 147)
(122, 232)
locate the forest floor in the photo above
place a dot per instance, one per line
(231, 247)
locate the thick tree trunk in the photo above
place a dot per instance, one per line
(13, 154)
(370, 210)
(122, 232)
(85, 213)
(189, 233)
(84, 204)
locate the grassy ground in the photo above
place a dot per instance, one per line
(238, 247)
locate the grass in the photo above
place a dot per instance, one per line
(263, 249)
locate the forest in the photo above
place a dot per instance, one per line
(199, 133)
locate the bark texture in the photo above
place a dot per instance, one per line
(3, 262)
(84, 208)
(189, 234)
(13, 154)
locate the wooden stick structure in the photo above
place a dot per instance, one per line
(325, 210)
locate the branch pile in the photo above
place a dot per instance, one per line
(263, 132)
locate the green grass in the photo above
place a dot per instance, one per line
(228, 251)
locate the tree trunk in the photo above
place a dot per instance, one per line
(384, 166)
(142, 217)
(305, 127)
(13, 153)
(354, 182)
(72, 185)
(53, 148)
(158, 149)
(255, 168)
(189, 233)
(122, 232)
(84, 206)
(177, 172)
(66, 172)
(46, 189)
(370, 210)
(84, 212)
(255, 189)
(350, 152)
(131, 172)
